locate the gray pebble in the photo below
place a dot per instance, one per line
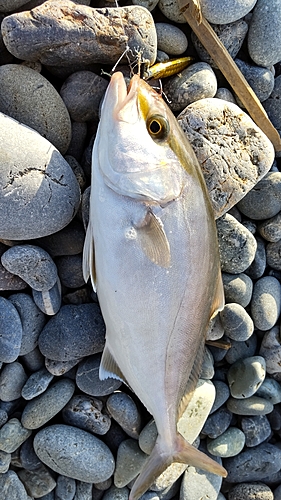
(272, 105)
(58, 368)
(266, 302)
(257, 268)
(253, 464)
(32, 320)
(215, 329)
(103, 485)
(270, 229)
(83, 491)
(251, 406)
(12, 435)
(231, 10)
(249, 491)
(129, 462)
(114, 437)
(70, 271)
(78, 172)
(75, 331)
(264, 39)
(271, 390)
(88, 381)
(237, 288)
(86, 413)
(11, 5)
(49, 302)
(114, 493)
(207, 368)
(74, 453)
(11, 487)
(9, 281)
(38, 482)
(11, 331)
(241, 349)
(196, 82)
(171, 10)
(271, 350)
(217, 423)
(67, 241)
(264, 200)
(124, 410)
(33, 361)
(33, 264)
(12, 380)
(222, 395)
(36, 384)
(28, 457)
(277, 493)
(231, 36)
(82, 92)
(148, 437)
(225, 95)
(65, 488)
(273, 255)
(5, 461)
(197, 484)
(170, 39)
(236, 322)
(228, 444)
(245, 376)
(29, 98)
(43, 408)
(78, 140)
(3, 417)
(237, 245)
(256, 429)
(261, 80)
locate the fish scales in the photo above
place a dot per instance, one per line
(151, 250)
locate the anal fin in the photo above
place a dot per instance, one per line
(109, 367)
(89, 257)
(218, 302)
(153, 240)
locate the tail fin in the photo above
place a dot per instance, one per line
(161, 458)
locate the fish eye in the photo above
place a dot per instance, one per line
(158, 127)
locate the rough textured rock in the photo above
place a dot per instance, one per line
(264, 39)
(233, 152)
(79, 34)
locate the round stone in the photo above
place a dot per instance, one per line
(36, 384)
(273, 255)
(67, 241)
(250, 406)
(129, 462)
(29, 97)
(256, 429)
(11, 331)
(222, 394)
(207, 368)
(257, 268)
(28, 457)
(86, 413)
(196, 484)
(32, 264)
(217, 423)
(231, 10)
(148, 4)
(11, 5)
(114, 493)
(241, 349)
(124, 410)
(70, 271)
(74, 453)
(264, 38)
(266, 302)
(249, 491)
(12, 380)
(262, 461)
(38, 482)
(12, 435)
(147, 437)
(196, 82)
(271, 390)
(171, 10)
(170, 39)
(48, 302)
(271, 350)
(237, 323)
(264, 200)
(270, 229)
(65, 488)
(261, 80)
(88, 381)
(228, 444)
(237, 288)
(58, 368)
(12, 487)
(225, 95)
(272, 105)
(245, 376)
(40, 410)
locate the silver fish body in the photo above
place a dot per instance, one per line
(151, 250)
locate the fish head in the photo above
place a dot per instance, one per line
(140, 148)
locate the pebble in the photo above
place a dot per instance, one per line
(271, 390)
(38, 482)
(34, 360)
(266, 302)
(217, 423)
(257, 268)
(245, 376)
(75, 453)
(129, 462)
(88, 381)
(251, 406)
(237, 288)
(237, 323)
(58, 368)
(11, 331)
(83, 491)
(256, 429)
(70, 271)
(270, 349)
(124, 410)
(9, 281)
(196, 82)
(270, 229)
(10, 5)
(78, 141)
(32, 320)
(253, 464)
(99, 39)
(264, 200)
(36, 384)
(272, 104)
(249, 491)
(82, 92)
(197, 484)
(231, 36)
(273, 255)
(12, 380)
(228, 444)
(67, 241)
(148, 4)
(29, 98)
(49, 302)
(207, 368)
(222, 394)
(114, 493)
(86, 413)
(43, 408)
(225, 95)
(237, 245)
(171, 10)
(231, 10)
(5, 461)
(241, 349)
(170, 39)
(28, 457)
(12, 435)
(39, 193)
(264, 38)
(12, 487)
(260, 79)
(75, 331)
(65, 488)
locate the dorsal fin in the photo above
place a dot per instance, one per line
(109, 367)
(89, 268)
(153, 240)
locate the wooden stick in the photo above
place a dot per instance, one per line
(192, 12)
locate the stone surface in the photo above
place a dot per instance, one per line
(264, 200)
(28, 457)
(237, 323)
(261, 80)
(12, 380)
(228, 444)
(67, 241)
(270, 229)
(217, 423)
(199, 484)
(12, 435)
(251, 406)
(170, 39)
(245, 376)
(257, 268)
(241, 350)
(171, 10)
(36, 384)
(65, 488)
(39, 193)
(9, 281)
(237, 288)
(248, 491)
(29, 98)
(74, 452)
(253, 464)
(86, 413)
(271, 390)
(129, 462)
(266, 302)
(48, 302)
(88, 381)
(264, 39)
(222, 394)
(12, 487)
(233, 152)
(256, 429)
(79, 34)
(231, 10)
(11, 331)
(124, 410)
(273, 255)
(38, 482)
(271, 350)
(70, 271)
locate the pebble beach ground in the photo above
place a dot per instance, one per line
(64, 434)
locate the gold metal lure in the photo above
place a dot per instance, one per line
(167, 68)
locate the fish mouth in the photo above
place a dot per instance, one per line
(126, 106)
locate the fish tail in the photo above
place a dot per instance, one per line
(161, 458)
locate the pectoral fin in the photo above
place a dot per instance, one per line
(109, 367)
(89, 257)
(153, 240)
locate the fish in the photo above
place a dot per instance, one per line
(152, 254)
